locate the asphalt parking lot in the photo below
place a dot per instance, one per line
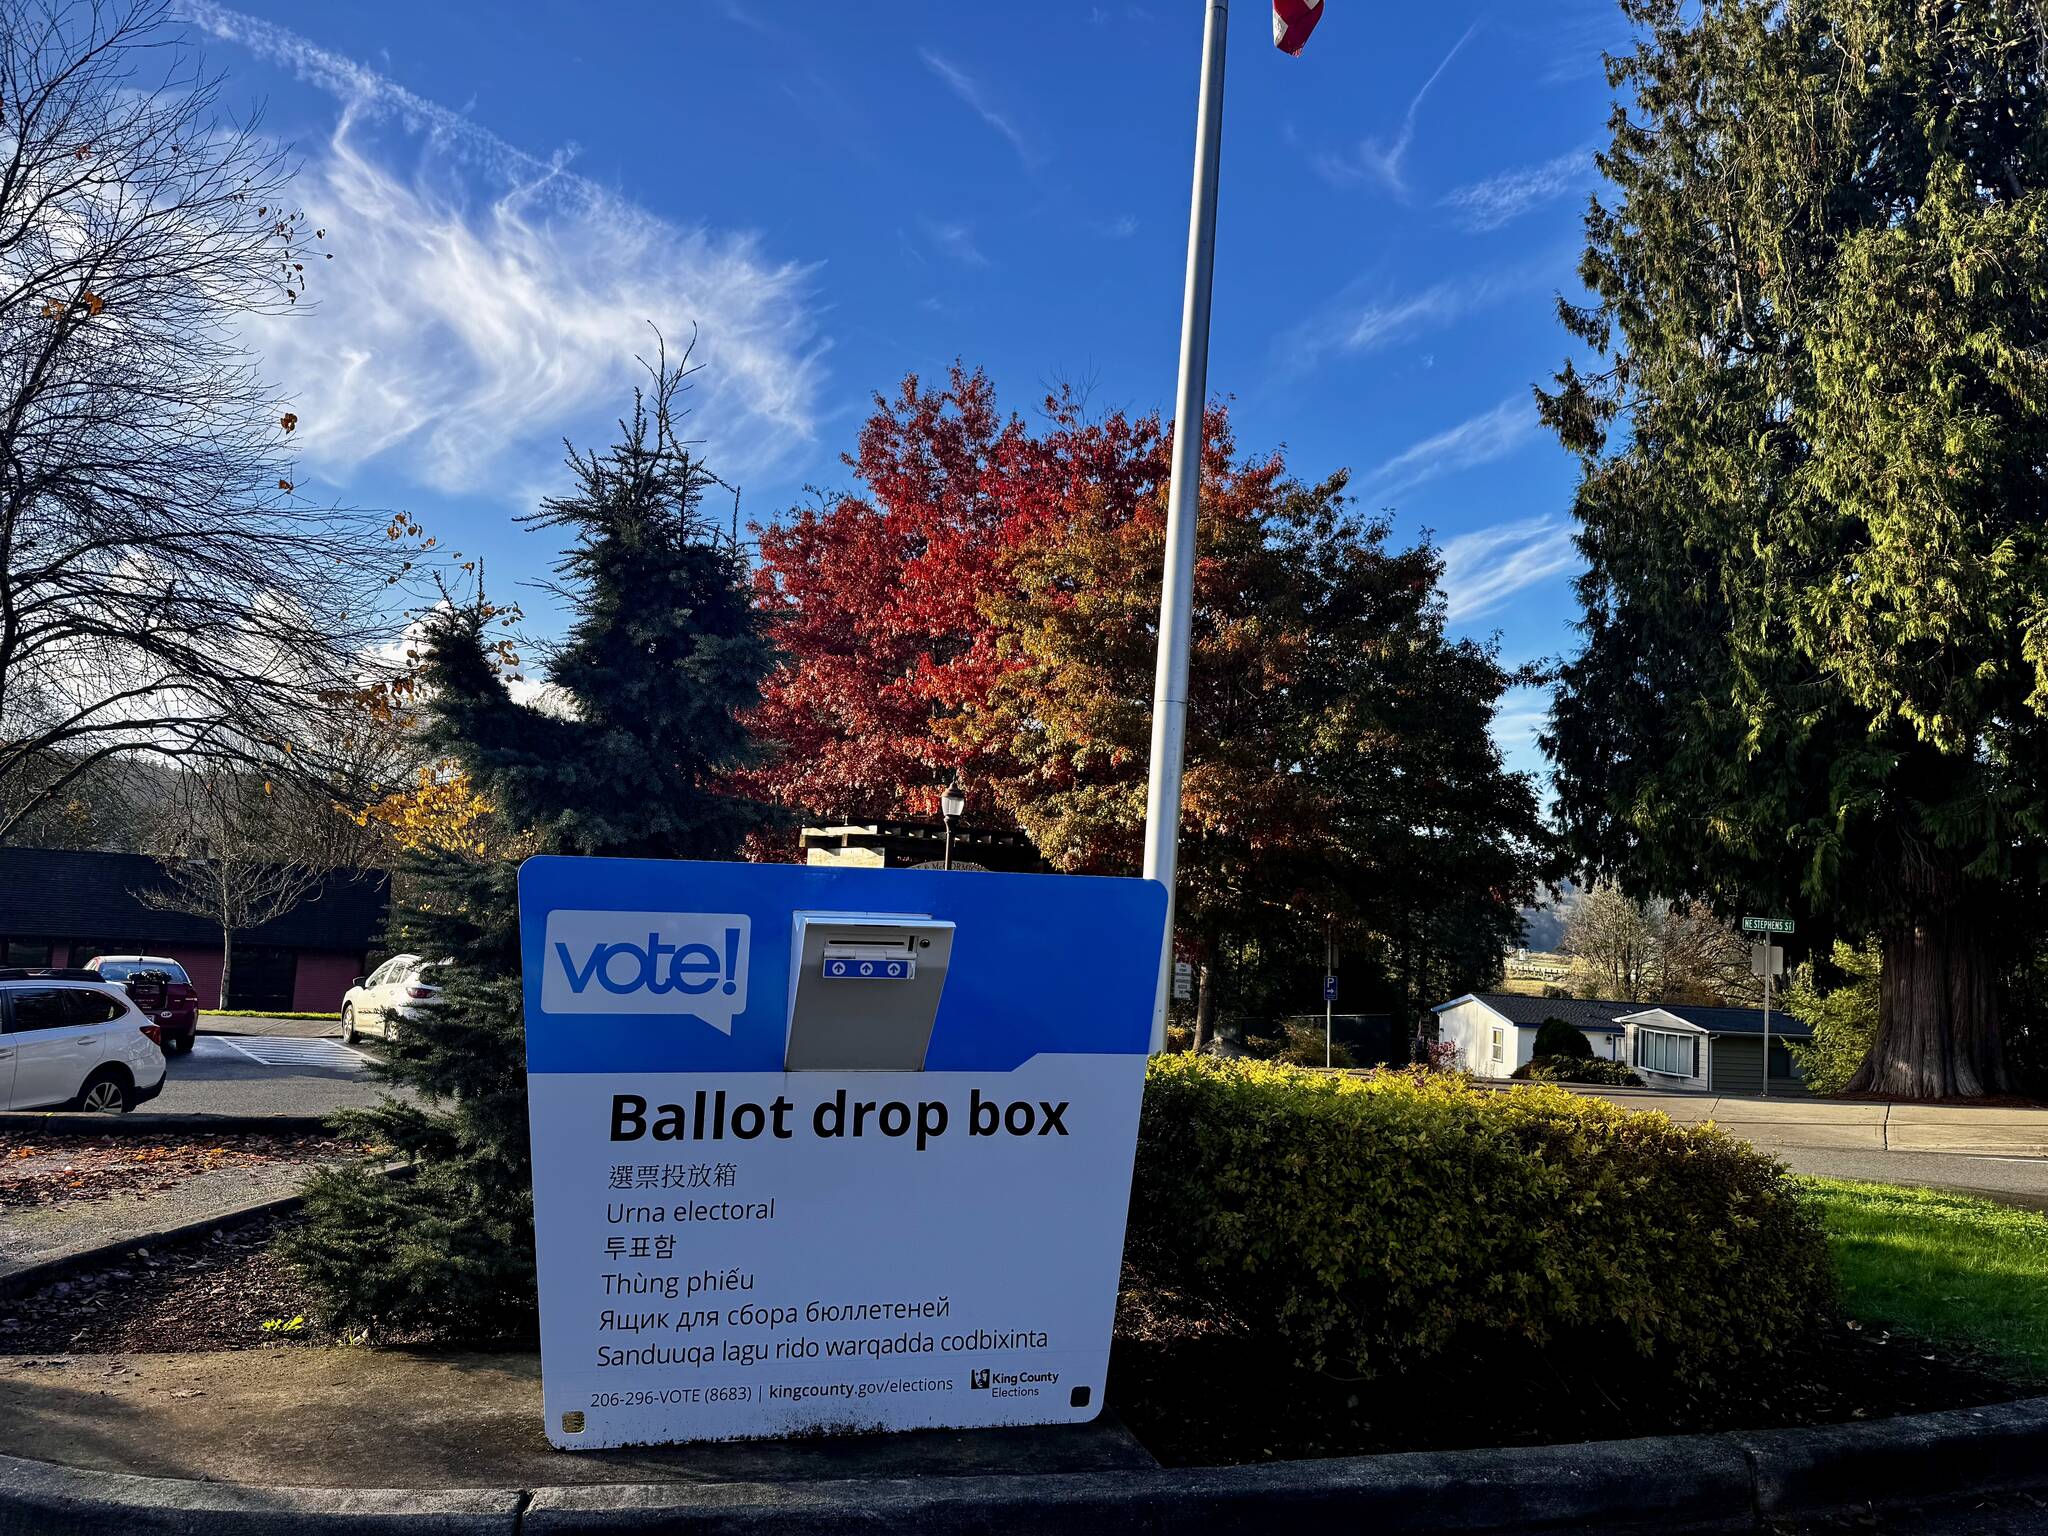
(257, 1074)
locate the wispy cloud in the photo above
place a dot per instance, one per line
(954, 240)
(1484, 568)
(1488, 436)
(971, 91)
(1383, 161)
(1522, 715)
(483, 300)
(1504, 198)
(1359, 321)
(1121, 227)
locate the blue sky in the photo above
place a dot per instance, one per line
(837, 194)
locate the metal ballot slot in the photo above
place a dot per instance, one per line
(864, 990)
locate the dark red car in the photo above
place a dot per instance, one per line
(176, 1012)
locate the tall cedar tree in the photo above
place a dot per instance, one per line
(1815, 667)
(990, 606)
(663, 658)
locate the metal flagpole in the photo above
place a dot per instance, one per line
(1176, 598)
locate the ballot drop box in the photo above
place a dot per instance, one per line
(828, 1149)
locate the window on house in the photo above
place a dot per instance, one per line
(1660, 1050)
(1499, 1047)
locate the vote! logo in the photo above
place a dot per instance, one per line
(691, 964)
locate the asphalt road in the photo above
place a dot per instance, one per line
(302, 1072)
(2016, 1180)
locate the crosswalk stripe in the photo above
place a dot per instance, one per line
(283, 1051)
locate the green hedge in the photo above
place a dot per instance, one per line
(1367, 1224)
(1577, 1069)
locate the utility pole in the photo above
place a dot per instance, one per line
(1176, 598)
(1769, 945)
(1768, 929)
(1329, 995)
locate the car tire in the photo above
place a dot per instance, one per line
(109, 1091)
(181, 1045)
(348, 1023)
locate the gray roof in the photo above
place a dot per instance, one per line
(72, 896)
(1581, 1013)
(1733, 1021)
(1587, 1013)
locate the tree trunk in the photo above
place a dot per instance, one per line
(227, 964)
(1937, 1011)
(1205, 1003)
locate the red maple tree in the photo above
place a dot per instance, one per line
(881, 597)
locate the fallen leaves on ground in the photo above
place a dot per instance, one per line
(59, 1169)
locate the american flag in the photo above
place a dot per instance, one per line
(1293, 20)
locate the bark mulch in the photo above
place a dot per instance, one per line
(1198, 1392)
(61, 1169)
(1193, 1388)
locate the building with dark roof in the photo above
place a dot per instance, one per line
(1672, 1045)
(919, 845)
(64, 906)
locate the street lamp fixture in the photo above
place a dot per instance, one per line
(952, 803)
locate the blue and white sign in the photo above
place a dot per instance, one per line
(822, 1148)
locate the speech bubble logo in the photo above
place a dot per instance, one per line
(686, 964)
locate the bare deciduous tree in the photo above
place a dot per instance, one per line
(240, 850)
(1612, 940)
(1630, 951)
(166, 590)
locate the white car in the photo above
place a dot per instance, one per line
(71, 1041)
(378, 1003)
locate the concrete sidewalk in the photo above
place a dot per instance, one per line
(34, 1236)
(301, 1029)
(1849, 1125)
(306, 1416)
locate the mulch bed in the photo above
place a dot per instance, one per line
(60, 1169)
(1200, 1392)
(214, 1292)
(1194, 1389)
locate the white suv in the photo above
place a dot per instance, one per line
(71, 1041)
(377, 1004)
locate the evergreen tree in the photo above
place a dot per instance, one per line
(663, 656)
(1815, 670)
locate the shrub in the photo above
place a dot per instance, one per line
(1301, 1044)
(1843, 1019)
(1554, 1037)
(1575, 1069)
(1369, 1223)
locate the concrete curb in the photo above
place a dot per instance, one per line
(143, 1123)
(1675, 1483)
(31, 1277)
(34, 1276)
(38, 1499)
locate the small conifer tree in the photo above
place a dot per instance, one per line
(663, 657)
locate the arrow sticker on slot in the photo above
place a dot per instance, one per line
(840, 968)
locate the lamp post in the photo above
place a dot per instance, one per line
(951, 803)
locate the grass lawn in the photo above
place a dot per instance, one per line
(1949, 1268)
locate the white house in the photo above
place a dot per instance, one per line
(1495, 1032)
(1673, 1046)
